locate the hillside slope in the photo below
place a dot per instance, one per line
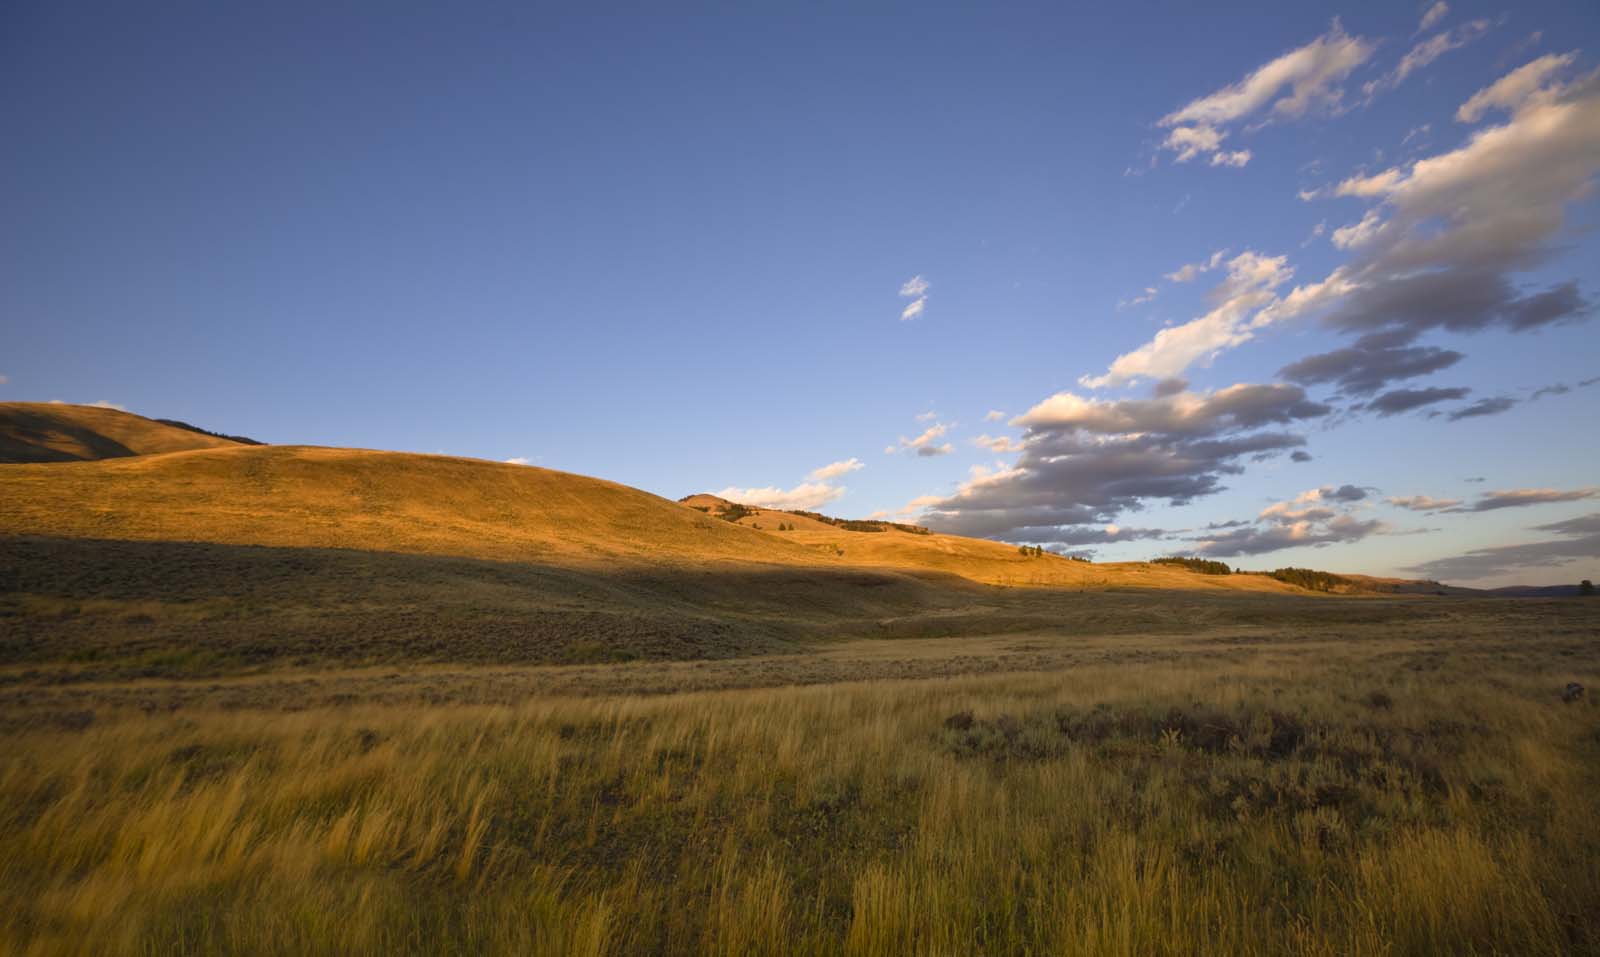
(976, 559)
(308, 497)
(56, 432)
(243, 557)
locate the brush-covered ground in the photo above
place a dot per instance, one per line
(1388, 782)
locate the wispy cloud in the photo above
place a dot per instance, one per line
(916, 289)
(1252, 279)
(806, 495)
(1432, 16)
(1515, 88)
(1188, 272)
(925, 445)
(835, 469)
(1423, 503)
(1148, 295)
(1579, 538)
(1424, 53)
(1524, 497)
(1439, 249)
(1301, 81)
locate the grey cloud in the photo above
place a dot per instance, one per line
(1375, 360)
(1404, 400)
(1085, 535)
(1455, 298)
(1236, 408)
(1424, 503)
(1086, 462)
(1519, 497)
(1299, 456)
(1581, 539)
(1257, 540)
(1482, 407)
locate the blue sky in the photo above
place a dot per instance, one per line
(670, 250)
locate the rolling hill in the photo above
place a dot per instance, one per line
(57, 432)
(311, 497)
(225, 556)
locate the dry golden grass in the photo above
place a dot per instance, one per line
(302, 701)
(1310, 797)
(56, 432)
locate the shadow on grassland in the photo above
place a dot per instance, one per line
(94, 609)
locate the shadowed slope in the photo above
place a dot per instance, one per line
(56, 432)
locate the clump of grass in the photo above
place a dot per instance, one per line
(1172, 808)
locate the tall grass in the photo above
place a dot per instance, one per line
(1159, 810)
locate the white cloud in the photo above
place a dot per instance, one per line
(924, 445)
(994, 415)
(1324, 516)
(1190, 141)
(1433, 15)
(1425, 53)
(1290, 86)
(1452, 231)
(836, 469)
(916, 288)
(103, 404)
(1365, 186)
(1148, 295)
(517, 460)
(1188, 271)
(999, 444)
(1251, 280)
(1236, 159)
(1515, 88)
(927, 416)
(4, 380)
(1417, 133)
(1361, 233)
(806, 495)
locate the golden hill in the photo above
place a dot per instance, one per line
(57, 432)
(296, 496)
(308, 497)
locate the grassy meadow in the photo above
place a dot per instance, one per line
(1383, 791)
(297, 701)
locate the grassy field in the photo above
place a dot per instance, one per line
(288, 700)
(1369, 787)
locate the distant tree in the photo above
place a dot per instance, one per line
(1309, 578)
(1586, 587)
(1202, 565)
